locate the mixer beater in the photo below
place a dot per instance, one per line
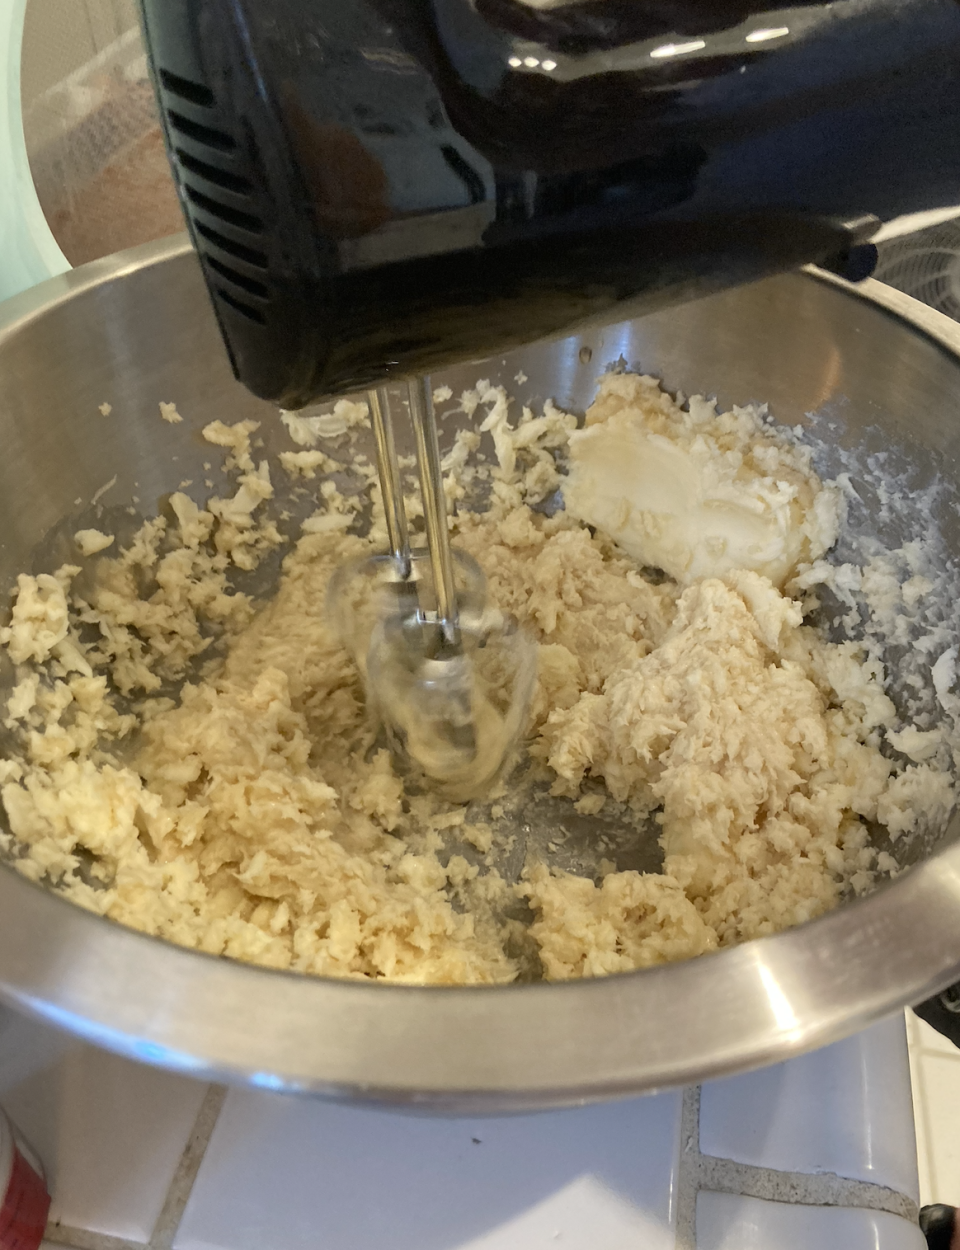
(448, 677)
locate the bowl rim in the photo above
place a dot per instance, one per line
(482, 1048)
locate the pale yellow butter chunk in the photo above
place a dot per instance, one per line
(40, 619)
(89, 542)
(22, 700)
(631, 920)
(195, 524)
(307, 430)
(235, 437)
(695, 493)
(306, 463)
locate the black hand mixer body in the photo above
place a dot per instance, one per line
(379, 188)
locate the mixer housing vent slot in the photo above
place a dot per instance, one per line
(213, 173)
(232, 176)
(232, 216)
(252, 314)
(249, 255)
(194, 92)
(208, 154)
(208, 135)
(250, 285)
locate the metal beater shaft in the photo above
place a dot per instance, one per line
(434, 509)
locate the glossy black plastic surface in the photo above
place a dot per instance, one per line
(383, 187)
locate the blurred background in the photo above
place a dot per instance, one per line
(91, 127)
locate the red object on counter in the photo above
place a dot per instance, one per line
(24, 1201)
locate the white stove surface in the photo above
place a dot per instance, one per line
(816, 1153)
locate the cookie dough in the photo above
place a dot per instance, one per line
(202, 767)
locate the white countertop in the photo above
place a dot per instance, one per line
(818, 1152)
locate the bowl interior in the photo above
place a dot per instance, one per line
(876, 397)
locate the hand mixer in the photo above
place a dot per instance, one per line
(377, 188)
(449, 678)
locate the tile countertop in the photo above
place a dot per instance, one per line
(818, 1152)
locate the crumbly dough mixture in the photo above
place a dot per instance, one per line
(203, 769)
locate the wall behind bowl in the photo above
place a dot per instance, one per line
(62, 35)
(91, 128)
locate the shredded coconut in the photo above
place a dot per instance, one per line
(306, 431)
(89, 542)
(203, 768)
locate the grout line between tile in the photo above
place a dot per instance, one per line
(697, 1172)
(83, 1239)
(181, 1186)
(820, 1189)
(688, 1171)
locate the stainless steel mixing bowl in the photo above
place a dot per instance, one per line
(137, 329)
